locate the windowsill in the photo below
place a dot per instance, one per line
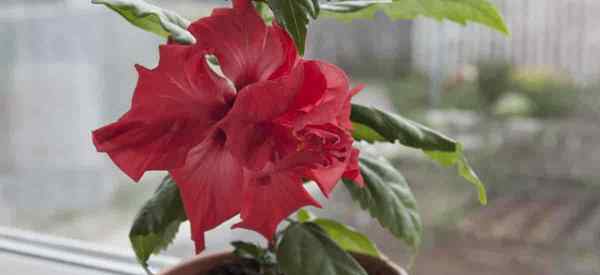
(24, 252)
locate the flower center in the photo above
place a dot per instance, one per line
(329, 141)
(220, 137)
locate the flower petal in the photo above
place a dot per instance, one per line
(182, 77)
(271, 197)
(327, 178)
(252, 135)
(248, 50)
(311, 92)
(172, 109)
(136, 145)
(334, 94)
(211, 186)
(343, 117)
(242, 4)
(353, 170)
(334, 145)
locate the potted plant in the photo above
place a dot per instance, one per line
(242, 122)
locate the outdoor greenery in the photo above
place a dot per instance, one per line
(499, 90)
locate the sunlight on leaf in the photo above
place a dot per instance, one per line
(462, 165)
(376, 125)
(459, 11)
(347, 237)
(157, 223)
(152, 18)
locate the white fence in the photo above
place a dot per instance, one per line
(561, 34)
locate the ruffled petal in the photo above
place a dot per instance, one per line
(343, 118)
(248, 50)
(310, 93)
(211, 186)
(271, 197)
(353, 170)
(326, 106)
(252, 133)
(172, 109)
(336, 93)
(334, 146)
(328, 177)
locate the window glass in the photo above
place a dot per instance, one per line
(525, 107)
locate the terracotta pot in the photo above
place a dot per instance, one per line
(200, 265)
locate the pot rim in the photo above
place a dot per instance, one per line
(200, 264)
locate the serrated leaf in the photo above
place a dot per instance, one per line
(307, 249)
(157, 223)
(459, 11)
(293, 15)
(347, 237)
(388, 198)
(376, 125)
(152, 18)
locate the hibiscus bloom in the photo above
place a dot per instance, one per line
(244, 143)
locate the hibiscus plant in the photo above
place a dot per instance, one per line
(242, 123)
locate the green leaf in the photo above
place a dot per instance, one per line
(376, 125)
(459, 11)
(247, 250)
(253, 251)
(388, 198)
(293, 15)
(152, 18)
(347, 237)
(458, 159)
(305, 216)
(362, 132)
(157, 223)
(307, 249)
(264, 11)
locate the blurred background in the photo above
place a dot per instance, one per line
(526, 107)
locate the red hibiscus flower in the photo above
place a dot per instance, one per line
(243, 146)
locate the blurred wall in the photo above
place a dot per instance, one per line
(371, 48)
(559, 34)
(66, 70)
(7, 157)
